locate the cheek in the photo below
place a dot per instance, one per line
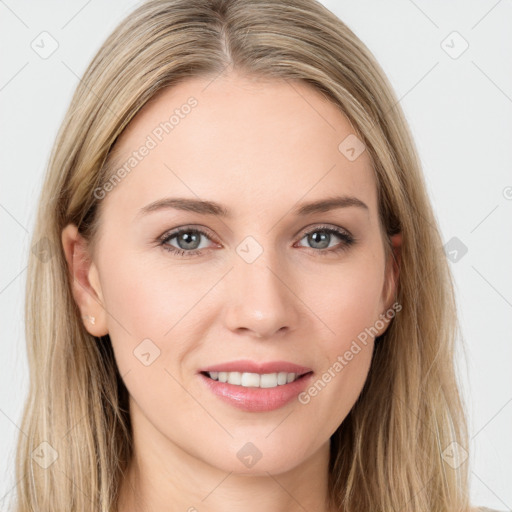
(145, 302)
(356, 304)
(349, 307)
(348, 301)
(133, 296)
(347, 298)
(147, 293)
(149, 330)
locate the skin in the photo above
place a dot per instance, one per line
(259, 148)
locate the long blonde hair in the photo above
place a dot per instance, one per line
(389, 452)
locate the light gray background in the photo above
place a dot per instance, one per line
(460, 113)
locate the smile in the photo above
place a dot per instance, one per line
(256, 387)
(254, 380)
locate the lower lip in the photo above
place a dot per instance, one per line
(257, 399)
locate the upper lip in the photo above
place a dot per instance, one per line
(247, 366)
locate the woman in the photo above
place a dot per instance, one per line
(248, 295)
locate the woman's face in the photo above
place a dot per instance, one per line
(265, 284)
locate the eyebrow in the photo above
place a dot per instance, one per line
(216, 209)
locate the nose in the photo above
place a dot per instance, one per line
(262, 302)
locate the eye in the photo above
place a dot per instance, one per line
(321, 237)
(188, 240)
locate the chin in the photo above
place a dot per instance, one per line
(260, 457)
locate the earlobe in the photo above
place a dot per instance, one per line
(84, 281)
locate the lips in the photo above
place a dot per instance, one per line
(265, 396)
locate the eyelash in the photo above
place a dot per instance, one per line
(348, 240)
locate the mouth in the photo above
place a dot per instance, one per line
(256, 387)
(256, 380)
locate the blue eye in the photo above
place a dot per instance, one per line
(190, 240)
(326, 234)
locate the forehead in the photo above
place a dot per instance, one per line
(240, 141)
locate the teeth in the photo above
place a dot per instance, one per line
(250, 380)
(235, 378)
(282, 378)
(254, 380)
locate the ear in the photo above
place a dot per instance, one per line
(393, 268)
(390, 287)
(84, 279)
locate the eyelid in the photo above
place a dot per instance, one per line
(171, 233)
(317, 226)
